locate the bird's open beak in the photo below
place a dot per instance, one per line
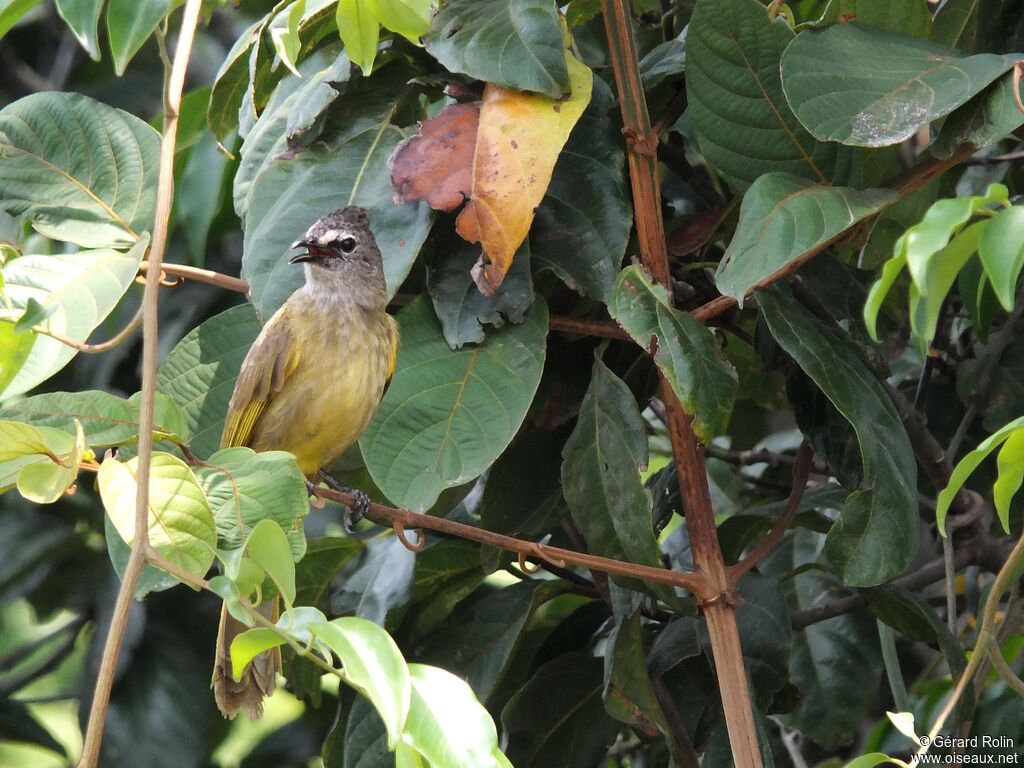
(307, 256)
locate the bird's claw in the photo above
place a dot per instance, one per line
(357, 510)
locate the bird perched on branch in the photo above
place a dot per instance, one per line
(310, 385)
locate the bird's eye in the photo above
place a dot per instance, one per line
(348, 244)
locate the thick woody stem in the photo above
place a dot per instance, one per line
(717, 596)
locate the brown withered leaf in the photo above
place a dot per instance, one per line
(436, 165)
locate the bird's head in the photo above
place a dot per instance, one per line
(341, 254)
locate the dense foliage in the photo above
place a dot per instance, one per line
(838, 201)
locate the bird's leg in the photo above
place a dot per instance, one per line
(357, 511)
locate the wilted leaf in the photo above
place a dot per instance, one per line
(82, 289)
(79, 170)
(518, 141)
(683, 349)
(448, 414)
(782, 217)
(180, 523)
(436, 165)
(871, 87)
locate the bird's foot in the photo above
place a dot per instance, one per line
(316, 500)
(357, 510)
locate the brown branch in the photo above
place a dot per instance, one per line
(186, 272)
(801, 470)
(606, 329)
(717, 596)
(404, 520)
(137, 559)
(903, 184)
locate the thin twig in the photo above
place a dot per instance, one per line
(801, 470)
(140, 543)
(122, 336)
(201, 275)
(1005, 671)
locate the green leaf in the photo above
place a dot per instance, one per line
(245, 488)
(1002, 253)
(108, 420)
(447, 725)
(250, 644)
(1010, 464)
(458, 303)
(601, 475)
(290, 194)
(81, 288)
(17, 724)
(79, 170)
(988, 117)
(231, 81)
(181, 526)
(34, 314)
(269, 548)
(684, 350)
(979, 298)
(286, 39)
(663, 61)
(744, 124)
(912, 17)
(199, 373)
(12, 11)
(45, 482)
(379, 586)
(198, 193)
(409, 18)
(629, 694)
(956, 24)
(372, 663)
(15, 350)
(782, 217)
(968, 464)
(559, 712)
(41, 461)
(323, 559)
(445, 573)
(489, 631)
(871, 87)
(129, 25)
(359, 28)
(513, 43)
(876, 533)
(82, 17)
(448, 414)
(583, 223)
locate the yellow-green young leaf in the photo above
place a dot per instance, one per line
(1011, 473)
(269, 548)
(409, 18)
(80, 288)
(248, 645)
(904, 723)
(11, 11)
(447, 725)
(684, 349)
(967, 465)
(181, 525)
(46, 481)
(372, 663)
(359, 28)
(286, 39)
(1002, 253)
(23, 446)
(15, 349)
(407, 757)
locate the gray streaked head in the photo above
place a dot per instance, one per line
(341, 254)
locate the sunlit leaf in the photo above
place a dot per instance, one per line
(11, 12)
(46, 481)
(268, 547)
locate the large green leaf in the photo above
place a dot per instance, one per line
(628, 693)
(514, 43)
(107, 420)
(181, 525)
(199, 374)
(683, 349)
(983, 120)
(782, 217)
(912, 17)
(79, 170)
(244, 487)
(744, 124)
(82, 289)
(82, 17)
(129, 25)
(558, 717)
(290, 194)
(871, 87)
(956, 24)
(448, 414)
(877, 533)
(447, 725)
(582, 225)
(601, 474)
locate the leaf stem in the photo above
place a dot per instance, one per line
(164, 197)
(122, 336)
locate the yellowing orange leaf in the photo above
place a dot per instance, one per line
(518, 141)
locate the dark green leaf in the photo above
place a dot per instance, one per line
(198, 193)
(82, 17)
(683, 349)
(782, 217)
(877, 533)
(324, 558)
(458, 303)
(956, 24)
(558, 718)
(231, 82)
(663, 61)
(513, 43)
(448, 414)
(601, 474)
(199, 374)
(628, 692)
(871, 87)
(582, 224)
(129, 25)
(983, 120)
(912, 17)
(79, 170)
(379, 585)
(445, 572)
